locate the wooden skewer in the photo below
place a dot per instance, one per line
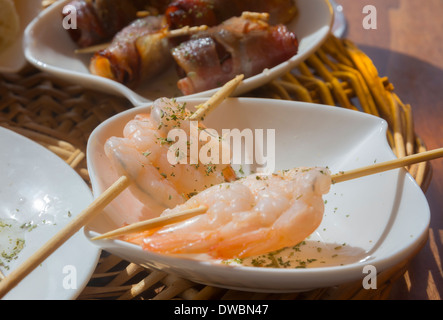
(153, 223)
(203, 109)
(142, 13)
(264, 16)
(63, 235)
(167, 33)
(47, 3)
(186, 30)
(387, 165)
(92, 49)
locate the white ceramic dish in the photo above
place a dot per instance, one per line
(13, 59)
(39, 189)
(48, 47)
(376, 220)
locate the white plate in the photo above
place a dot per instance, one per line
(48, 47)
(376, 220)
(40, 188)
(13, 59)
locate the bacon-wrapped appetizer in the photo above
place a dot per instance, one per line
(99, 20)
(139, 51)
(240, 45)
(213, 12)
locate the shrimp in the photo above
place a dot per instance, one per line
(251, 216)
(144, 152)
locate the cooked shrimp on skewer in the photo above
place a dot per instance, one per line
(251, 216)
(142, 154)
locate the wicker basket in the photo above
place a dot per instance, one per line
(61, 116)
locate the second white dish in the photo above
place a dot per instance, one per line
(48, 47)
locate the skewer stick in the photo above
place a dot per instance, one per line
(167, 33)
(264, 16)
(387, 165)
(11, 280)
(216, 99)
(153, 223)
(142, 14)
(185, 31)
(92, 49)
(211, 104)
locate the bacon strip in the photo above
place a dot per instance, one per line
(237, 46)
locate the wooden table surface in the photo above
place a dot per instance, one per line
(407, 47)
